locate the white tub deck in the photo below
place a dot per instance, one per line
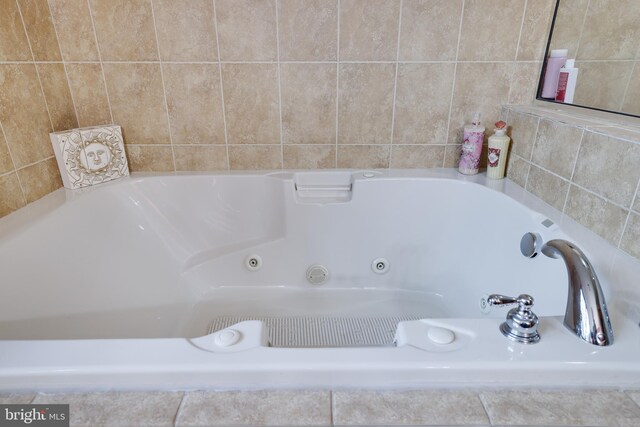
(115, 287)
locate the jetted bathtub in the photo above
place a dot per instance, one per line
(253, 280)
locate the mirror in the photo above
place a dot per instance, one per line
(603, 36)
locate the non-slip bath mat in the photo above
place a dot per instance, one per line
(314, 332)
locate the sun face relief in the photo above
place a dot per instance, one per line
(90, 156)
(95, 156)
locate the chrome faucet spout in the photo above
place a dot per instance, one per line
(586, 314)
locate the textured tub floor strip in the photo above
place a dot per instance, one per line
(314, 332)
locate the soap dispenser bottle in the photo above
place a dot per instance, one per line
(497, 151)
(471, 147)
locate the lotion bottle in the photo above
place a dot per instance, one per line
(556, 61)
(497, 151)
(471, 147)
(567, 82)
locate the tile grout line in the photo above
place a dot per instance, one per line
(395, 88)
(453, 86)
(104, 79)
(626, 89)
(337, 86)
(13, 162)
(180, 405)
(64, 65)
(524, 13)
(484, 408)
(573, 172)
(584, 21)
(515, 58)
(224, 108)
(279, 72)
(626, 222)
(33, 59)
(164, 89)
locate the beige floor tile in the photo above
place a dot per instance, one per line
(561, 408)
(256, 408)
(414, 407)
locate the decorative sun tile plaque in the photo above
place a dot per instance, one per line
(90, 156)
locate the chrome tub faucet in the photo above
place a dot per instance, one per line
(586, 314)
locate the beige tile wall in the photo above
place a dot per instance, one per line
(260, 84)
(587, 169)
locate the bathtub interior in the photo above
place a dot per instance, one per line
(160, 257)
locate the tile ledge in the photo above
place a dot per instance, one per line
(625, 128)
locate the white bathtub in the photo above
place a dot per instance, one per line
(115, 287)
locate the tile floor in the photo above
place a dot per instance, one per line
(530, 407)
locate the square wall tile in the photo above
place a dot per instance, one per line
(596, 214)
(56, 93)
(363, 156)
(247, 30)
(517, 170)
(550, 188)
(470, 96)
(429, 30)
(251, 103)
(74, 28)
(149, 158)
(118, 408)
(452, 155)
(23, 114)
(365, 105)
(423, 100)
(535, 30)
(308, 30)
(39, 25)
(89, 94)
(309, 156)
(11, 198)
(268, 408)
(478, 40)
(195, 103)
(13, 40)
(137, 102)
(524, 82)
(523, 133)
(40, 179)
(369, 30)
(417, 156)
(557, 147)
(309, 103)
(610, 31)
(125, 30)
(186, 30)
(631, 238)
(602, 84)
(255, 157)
(201, 157)
(608, 167)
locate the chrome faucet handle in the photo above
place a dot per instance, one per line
(522, 323)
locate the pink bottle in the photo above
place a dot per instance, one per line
(552, 71)
(471, 147)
